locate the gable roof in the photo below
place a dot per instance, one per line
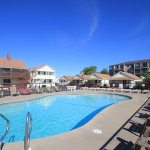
(95, 76)
(131, 75)
(124, 76)
(41, 66)
(102, 76)
(36, 68)
(77, 77)
(9, 62)
(84, 77)
(67, 78)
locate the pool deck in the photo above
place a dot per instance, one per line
(108, 121)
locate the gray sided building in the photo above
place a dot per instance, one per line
(135, 67)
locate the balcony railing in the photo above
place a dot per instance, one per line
(14, 74)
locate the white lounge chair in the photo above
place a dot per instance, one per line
(127, 90)
(145, 91)
(13, 91)
(39, 90)
(49, 89)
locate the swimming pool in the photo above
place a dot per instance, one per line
(53, 114)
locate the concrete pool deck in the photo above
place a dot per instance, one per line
(108, 121)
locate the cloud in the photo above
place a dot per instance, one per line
(142, 25)
(89, 13)
(137, 33)
(93, 27)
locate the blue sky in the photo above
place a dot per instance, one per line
(70, 35)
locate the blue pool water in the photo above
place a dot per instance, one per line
(53, 114)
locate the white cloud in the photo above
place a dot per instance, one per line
(142, 25)
(93, 27)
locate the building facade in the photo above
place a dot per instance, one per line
(42, 76)
(94, 80)
(134, 67)
(13, 73)
(124, 80)
(65, 80)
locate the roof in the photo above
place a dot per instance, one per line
(131, 75)
(36, 68)
(67, 78)
(92, 77)
(40, 67)
(120, 78)
(103, 76)
(85, 77)
(95, 76)
(9, 62)
(132, 62)
(77, 77)
(124, 76)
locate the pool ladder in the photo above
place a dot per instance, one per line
(28, 130)
(6, 130)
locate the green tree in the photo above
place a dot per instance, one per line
(104, 71)
(146, 79)
(89, 70)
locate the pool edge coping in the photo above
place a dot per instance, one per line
(84, 126)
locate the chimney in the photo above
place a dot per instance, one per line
(8, 57)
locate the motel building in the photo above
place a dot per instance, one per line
(65, 80)
(98, 80)
(94, 80)
(42, 76)
(124, 80)
(13, 73)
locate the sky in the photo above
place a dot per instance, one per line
(72, 34)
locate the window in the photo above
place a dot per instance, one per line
(33, 73)
(6, 81)
(116, 67)
(50, 73)
(137, 65)
(121, 66)
(144, 64)
(39, 72)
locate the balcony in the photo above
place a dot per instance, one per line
(116, 67)
(14, 74)
(137, 66)
(144, 65)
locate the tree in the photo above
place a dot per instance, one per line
(146, 79)
(104, 71)
(89, 70)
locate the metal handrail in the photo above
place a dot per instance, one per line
(28, 130)
(7, 129)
